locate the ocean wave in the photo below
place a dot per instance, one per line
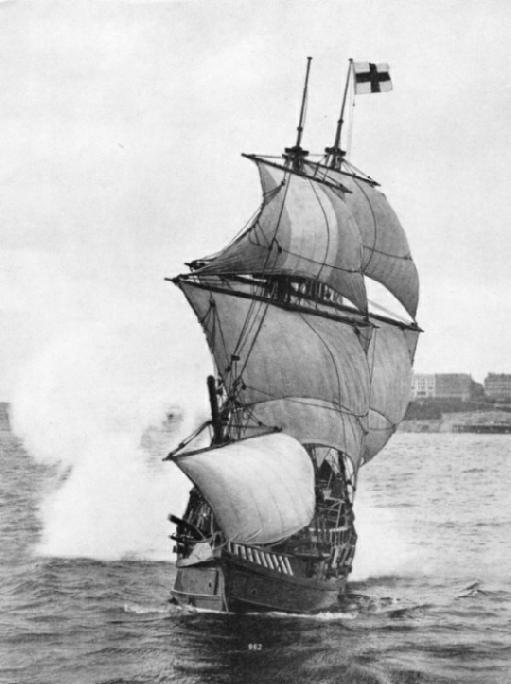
(139, 609)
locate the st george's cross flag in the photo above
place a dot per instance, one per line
(371, 78)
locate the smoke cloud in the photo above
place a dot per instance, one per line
(103, 404)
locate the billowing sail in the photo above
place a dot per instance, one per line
(289, 359)
(261, 490)
(305, 230)
(386, 257)
(390, 356)
(303, 373)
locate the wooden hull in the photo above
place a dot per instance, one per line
(236, 585)
(200, 586)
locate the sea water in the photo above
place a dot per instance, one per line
(429, 601)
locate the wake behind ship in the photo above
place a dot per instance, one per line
(309, 385)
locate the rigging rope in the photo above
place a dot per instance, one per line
(351, 118)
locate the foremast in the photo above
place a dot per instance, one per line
(294, 156)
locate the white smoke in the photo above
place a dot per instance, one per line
(84, 405)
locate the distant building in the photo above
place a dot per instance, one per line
(498, 385)
(454, 386)
(423, 386)
(442, 386)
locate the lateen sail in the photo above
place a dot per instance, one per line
(261, 490)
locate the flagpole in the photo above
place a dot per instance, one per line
(336, 152)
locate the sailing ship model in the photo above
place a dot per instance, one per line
(310, 382)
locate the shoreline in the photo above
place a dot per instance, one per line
(488, 422)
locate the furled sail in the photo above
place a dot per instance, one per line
(261, 490)
(304, 229)
(301, 372)
(390, 356)
(386, 257)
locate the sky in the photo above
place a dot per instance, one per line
(121, 131)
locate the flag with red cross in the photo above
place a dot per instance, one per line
(371, 78)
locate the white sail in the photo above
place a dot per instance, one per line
(291, 361)
(390, 355)
(260, 490)
(303, 230)
(303, 373)
(387, 256)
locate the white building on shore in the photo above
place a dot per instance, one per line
(442, 386)
(423, 386)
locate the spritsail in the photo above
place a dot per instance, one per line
(255, 497)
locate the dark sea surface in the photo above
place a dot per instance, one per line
(432, 602)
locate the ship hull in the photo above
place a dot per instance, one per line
(200, 586)
(230, 584)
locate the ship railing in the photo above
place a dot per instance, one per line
(267, 559)
(340, 535)
(344, 555)
(334, 535)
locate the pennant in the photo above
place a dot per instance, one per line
(371, 78)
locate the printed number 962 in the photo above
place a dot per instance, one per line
(255, 647)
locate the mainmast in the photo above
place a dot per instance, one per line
(296, 154)
(335, 153)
